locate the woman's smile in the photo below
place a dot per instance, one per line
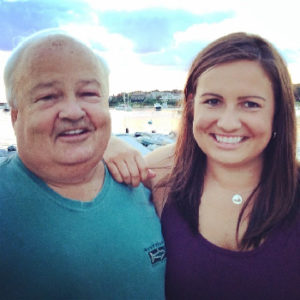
(232, 119)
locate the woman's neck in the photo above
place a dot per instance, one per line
(234, 177)
(219, 211)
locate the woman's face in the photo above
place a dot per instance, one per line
(233, 113)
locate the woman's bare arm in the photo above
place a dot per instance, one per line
(161, 162)
(126, 164)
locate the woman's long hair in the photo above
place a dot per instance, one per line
(274, 198)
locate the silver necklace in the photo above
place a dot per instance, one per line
(237, 199)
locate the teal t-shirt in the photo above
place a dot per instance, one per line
(52, 247)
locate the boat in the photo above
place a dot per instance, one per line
(6, 107)
(154, 140)
(123, 107)
(144, 142)
(157, 106)
(8, 151)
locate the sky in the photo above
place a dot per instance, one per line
(150, 44)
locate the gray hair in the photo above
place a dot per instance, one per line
(17, 54)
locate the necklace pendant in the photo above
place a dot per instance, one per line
(237, 199)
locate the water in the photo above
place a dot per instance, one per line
(144, 119)
(7, 136)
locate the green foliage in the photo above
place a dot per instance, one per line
(149, 101)
(115, 100)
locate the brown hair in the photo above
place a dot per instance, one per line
(274, 200)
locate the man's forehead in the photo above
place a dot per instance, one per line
(44, 58)
(57, 47)
(55, 61)
(56, 83)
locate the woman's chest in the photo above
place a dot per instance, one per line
(218, 221)
(196, 268)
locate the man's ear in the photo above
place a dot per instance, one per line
(14, 116)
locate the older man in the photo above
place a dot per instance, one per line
(67, 229)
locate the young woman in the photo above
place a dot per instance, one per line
(230, 193)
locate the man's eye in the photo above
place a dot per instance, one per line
(48, 97)
(90, 94)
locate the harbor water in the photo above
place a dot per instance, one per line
(137, 120)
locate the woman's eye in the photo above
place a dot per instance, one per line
(212, 102)
(251, 104)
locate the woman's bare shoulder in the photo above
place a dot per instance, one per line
(161, 157)
(161, 162)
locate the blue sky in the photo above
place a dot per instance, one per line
(149, 44)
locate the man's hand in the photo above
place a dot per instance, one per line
(125, 163)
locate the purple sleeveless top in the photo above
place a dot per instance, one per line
(198, 269)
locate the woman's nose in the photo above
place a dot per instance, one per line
(229, 120)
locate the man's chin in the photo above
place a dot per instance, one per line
(76, 158)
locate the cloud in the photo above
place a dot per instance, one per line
(3, 57)
(150, 44)
(22, 18)
(151, 30)
(179, 55)
(195, 7)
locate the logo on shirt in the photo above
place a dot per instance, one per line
(156, 252)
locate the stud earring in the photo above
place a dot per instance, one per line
(274, 134)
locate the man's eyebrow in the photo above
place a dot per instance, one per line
(44, 85)
(89, 81)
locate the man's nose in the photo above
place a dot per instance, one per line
(229, 119)
(71, 109)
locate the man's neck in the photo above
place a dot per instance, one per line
(84, 188)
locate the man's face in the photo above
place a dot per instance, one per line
(62, 118)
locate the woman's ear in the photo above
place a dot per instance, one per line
(190, 96)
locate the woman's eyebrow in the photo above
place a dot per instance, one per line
(251, 96)
(211, 95)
